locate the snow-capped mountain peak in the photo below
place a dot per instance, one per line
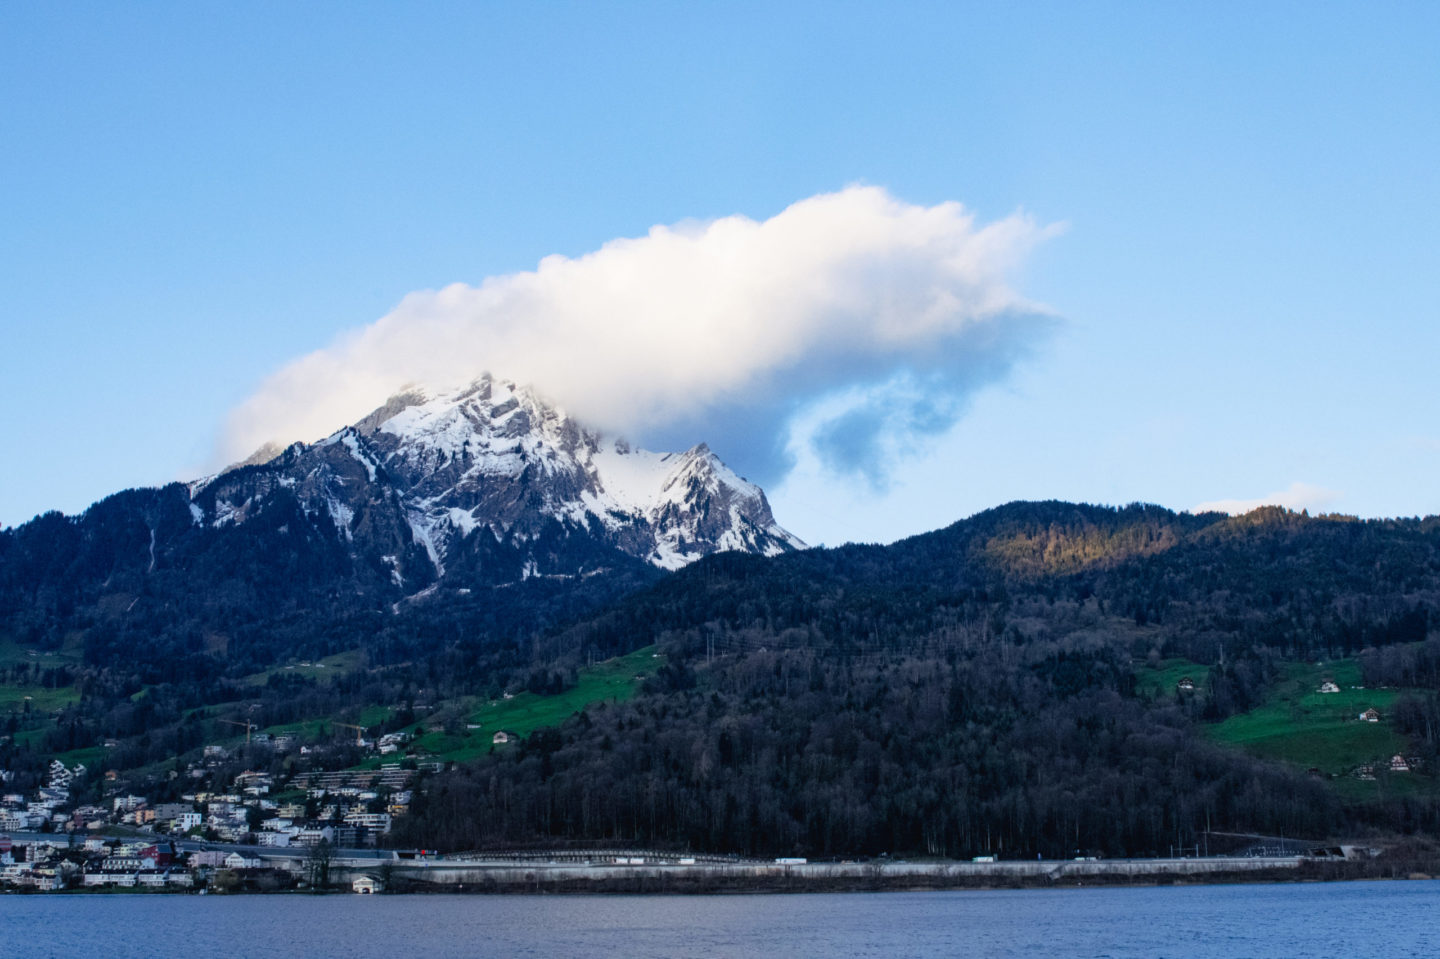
(492, 483)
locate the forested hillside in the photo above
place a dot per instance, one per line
(1005, 685)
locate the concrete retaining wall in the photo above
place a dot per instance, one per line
(762, 875)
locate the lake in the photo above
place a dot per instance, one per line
(1378, 920)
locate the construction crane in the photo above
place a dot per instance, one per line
(359, 731)
(249, 726)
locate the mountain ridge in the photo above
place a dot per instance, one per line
(492, 457)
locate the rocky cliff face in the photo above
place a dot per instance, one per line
(489, 484)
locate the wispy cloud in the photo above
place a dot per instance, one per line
(721, 330)
(1297, 497)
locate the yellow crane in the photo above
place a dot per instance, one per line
(249, 726)
(359, 731)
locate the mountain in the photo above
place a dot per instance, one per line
(498, 514)
(1009, 685)
(489, 484)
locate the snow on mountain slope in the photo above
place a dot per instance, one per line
(491, 482)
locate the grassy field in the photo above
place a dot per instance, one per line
(323, 670)
(1301, 725)
(1159, 681)
(92, 756)
(614, 680)
(314, 728)
(12, 653)
(42, 701)
(12, 698)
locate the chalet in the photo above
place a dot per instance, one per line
(1329, 687)
(1370, 716)
(1186, 685)
(501, 736)
(1399, 765)
(366, 885)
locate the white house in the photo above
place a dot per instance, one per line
(236, 861)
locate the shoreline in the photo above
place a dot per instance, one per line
(740, 879)
(647, 886)
(659, 874)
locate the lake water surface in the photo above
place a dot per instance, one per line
(1379, 920)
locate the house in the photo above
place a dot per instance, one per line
(501, 736)
(346, 836)
(1370, 716)
(1329, 687)
(128, 803)
(1186, 685)
(111, 878)
(1399, 765)
(374, 821)
(237, 861)
(158, 856)
(313, 836)
(366, 885)
(171, 811)
(123, 864)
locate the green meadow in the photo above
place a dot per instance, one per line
(1160, 680)
(1299, 725)
(615, 680)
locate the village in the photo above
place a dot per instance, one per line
(75, 833)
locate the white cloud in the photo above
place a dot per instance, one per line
(1299, 496)
(731, 325)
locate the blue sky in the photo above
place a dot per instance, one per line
(1247, 284)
